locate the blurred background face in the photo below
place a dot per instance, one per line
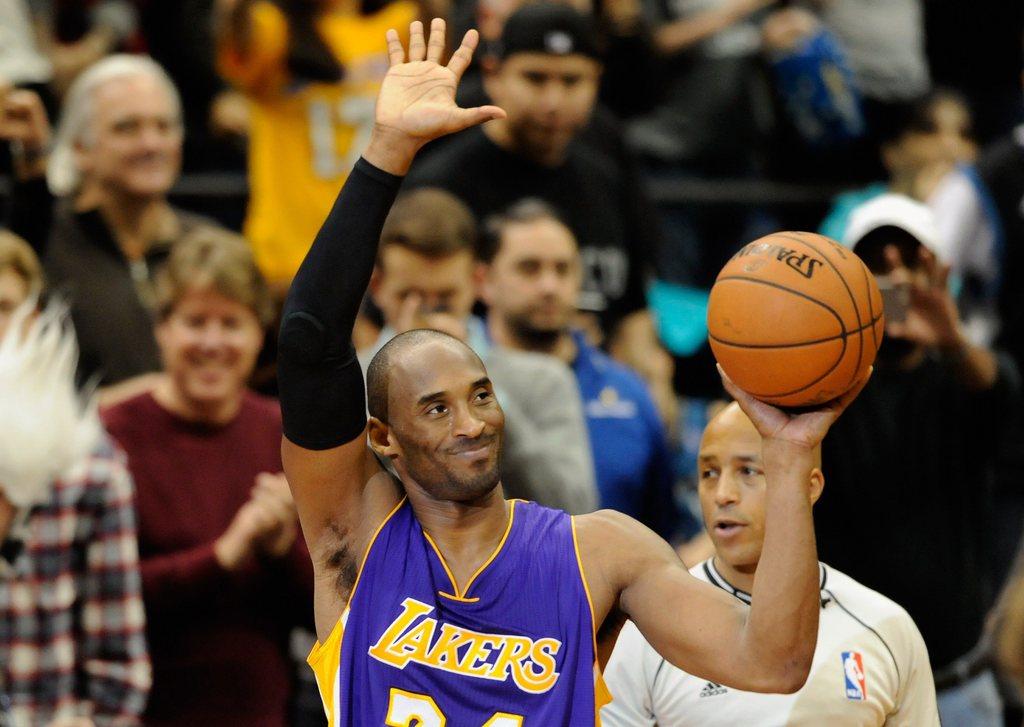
(731, 486)
(548, 99)
(13, 292)
(209, 345)
(133, 143)
(945, 138)
(534, 279)
(443, 284)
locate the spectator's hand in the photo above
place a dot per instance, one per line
(274, 495)
(24, 123)
(932, 318)
(787, 28)
(230, 114)
(240, 543)
(624, 16)
(412, 316)
(416, 103)
(72, 722)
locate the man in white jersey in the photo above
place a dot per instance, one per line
(870, 666)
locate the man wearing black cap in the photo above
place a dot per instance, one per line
(546, 79)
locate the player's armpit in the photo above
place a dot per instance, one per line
(695, 626)
(342, 495)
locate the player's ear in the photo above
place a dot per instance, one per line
(817, 484)
(379, 435)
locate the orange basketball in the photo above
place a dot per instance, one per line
(795, 319)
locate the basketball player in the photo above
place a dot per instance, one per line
(870, 665)
(437, 601)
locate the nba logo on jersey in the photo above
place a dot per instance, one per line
(853, 673)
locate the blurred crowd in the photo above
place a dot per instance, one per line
(165, 166)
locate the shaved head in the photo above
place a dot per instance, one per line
(732, 419)
(379, 371)
(434, 416)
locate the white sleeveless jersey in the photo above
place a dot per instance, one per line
(870, 668)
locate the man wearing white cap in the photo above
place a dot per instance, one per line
(910, 506)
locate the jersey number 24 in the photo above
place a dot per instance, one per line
(406, 709)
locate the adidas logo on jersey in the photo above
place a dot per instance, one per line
(712, 690)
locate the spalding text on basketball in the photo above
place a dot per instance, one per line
(800, 262)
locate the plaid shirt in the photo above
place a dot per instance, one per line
(72, 628)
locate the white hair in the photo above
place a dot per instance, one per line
(62, 172)
(47, 426)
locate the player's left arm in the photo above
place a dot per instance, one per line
(695, 626)
(767, 647)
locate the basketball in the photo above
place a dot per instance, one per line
(795, 319)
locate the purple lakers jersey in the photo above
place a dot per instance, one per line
(514, 647)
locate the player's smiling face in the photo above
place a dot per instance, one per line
(732, 488)
(209, 345)
(445, 423)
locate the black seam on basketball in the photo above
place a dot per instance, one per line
(841, 336)
(842, 353)
(836, 337)
(833, 367)
(771, 284)
(871, 308)
(853, 300)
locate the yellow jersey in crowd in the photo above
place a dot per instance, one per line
(305, 137)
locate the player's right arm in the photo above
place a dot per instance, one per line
(341, 492)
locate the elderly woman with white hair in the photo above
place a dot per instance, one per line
(114, 158)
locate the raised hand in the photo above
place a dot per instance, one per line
(805, 429)
(932, 318)
(416, 103)
(24, 123)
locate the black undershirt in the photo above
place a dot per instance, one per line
(323, 396)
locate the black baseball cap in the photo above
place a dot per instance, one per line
(548, 27)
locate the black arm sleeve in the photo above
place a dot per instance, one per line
(323, 397)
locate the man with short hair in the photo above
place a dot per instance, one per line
(114, 158)
(547, 82)
(530, 281)
(870, 666)
(436, 599)
(424, 279)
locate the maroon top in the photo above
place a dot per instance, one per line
(218, 641)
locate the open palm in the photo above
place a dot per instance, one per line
(417, 98)
(805, 429)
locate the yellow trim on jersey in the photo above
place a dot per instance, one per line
(325, 659)
(366, 555)
(601, 694)
(460, 595)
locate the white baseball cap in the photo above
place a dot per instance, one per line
(893, 210)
